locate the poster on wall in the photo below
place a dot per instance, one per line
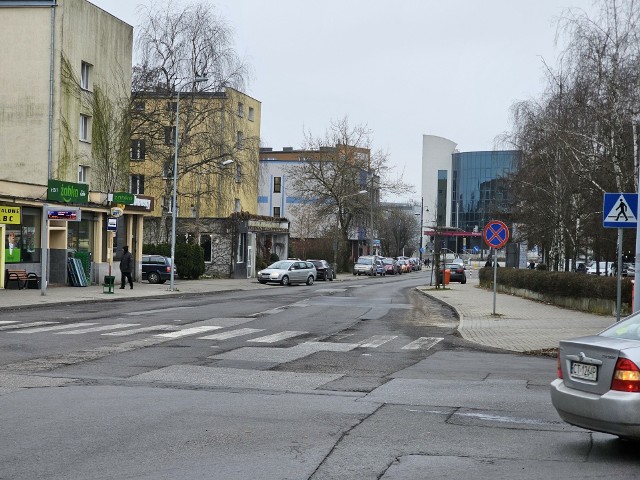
(12, 244)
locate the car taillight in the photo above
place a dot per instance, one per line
(559, 367)
(168, 269)
(626, 377)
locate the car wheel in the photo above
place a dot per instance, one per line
(153, 277)
(324, 277)
(332, 276)
(262, 281)
(285, 281)
(464, 280)
(310, 280)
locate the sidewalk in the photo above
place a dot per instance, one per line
(519, 325)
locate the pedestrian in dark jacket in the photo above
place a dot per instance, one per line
(126, 266)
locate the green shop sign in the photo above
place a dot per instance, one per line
(67, 192)
(123, 198)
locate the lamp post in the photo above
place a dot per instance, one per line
(335, 243)
(223, 164)
(174, 206)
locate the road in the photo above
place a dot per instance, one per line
(364, 379)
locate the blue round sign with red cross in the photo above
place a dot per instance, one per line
(496, 234)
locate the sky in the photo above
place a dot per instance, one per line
(403, 68)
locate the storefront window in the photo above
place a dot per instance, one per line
(205, 243)
(22, 241)
(80, 234)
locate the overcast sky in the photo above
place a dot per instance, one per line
(404, 68)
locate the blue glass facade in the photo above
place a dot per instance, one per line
(479, 186)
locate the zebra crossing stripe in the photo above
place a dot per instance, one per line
(5, 322)
(376, 341)
(422, 342)
(188, 331)
(26, 325)
(133, 331)
(276, 337)
(98, 329)
(232, 333)
(57, 327)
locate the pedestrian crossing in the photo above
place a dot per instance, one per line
(201, 332)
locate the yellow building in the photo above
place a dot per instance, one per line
(64, 63)
(219, 135)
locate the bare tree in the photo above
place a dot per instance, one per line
(176, 45)
(334, 169)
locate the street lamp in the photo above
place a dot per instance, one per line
(174, 206)
(223, 164)
(335, 243)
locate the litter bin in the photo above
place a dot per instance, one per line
(109, 284)
(447, 276)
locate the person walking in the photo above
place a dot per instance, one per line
(126, 266)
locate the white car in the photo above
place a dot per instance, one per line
(287, 272)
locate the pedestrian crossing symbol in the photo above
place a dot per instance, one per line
(620, 210)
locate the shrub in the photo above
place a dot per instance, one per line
(189, 258)
(566, 284)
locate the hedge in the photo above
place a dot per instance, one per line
(566, 284)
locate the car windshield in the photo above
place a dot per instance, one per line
(388, 261)
(364, 261)
(280, 265)
(628, 328)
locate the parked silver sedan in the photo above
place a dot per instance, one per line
(287, 272)
(598, 384)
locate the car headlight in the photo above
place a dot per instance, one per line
(276, 275)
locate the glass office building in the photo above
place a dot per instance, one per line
(479, 187)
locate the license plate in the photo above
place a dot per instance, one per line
(584, 371)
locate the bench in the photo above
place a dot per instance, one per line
(21, 279)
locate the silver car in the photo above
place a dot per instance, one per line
(598, 384)
(287, 272)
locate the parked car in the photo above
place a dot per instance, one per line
(456, 274)
(380, 268)
(405, 267)
(365, 265)
(598, 384)
(324, 270)
(157, 268)
(287, 272)
(391, 266)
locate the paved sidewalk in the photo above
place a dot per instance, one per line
(519, 325)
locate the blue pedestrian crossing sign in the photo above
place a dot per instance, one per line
(620, 210)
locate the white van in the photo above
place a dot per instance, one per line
(605, 268)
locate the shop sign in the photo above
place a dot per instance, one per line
(117, 212)
(112, 224)
(10, 215)
(143, 202)
(61, 213)
(67, 192)
(268, 226)
(123, 198)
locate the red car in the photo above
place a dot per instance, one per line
(391, 266)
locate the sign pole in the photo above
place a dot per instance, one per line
(44, 273)
(619, 275)
(494, 253)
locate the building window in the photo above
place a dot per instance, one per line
(238, 173)
(167, 168)
(277, 184)
(83, 174)
(237, 206)
(276, 212)
(169, 135)
(85, 72)
(251, 114)
(239, 140)
(22, 242)
(137, 184)
(172, 106)
(240, 109)
(85, 127)
(137, 150)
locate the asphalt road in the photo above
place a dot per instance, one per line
(360, 380)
